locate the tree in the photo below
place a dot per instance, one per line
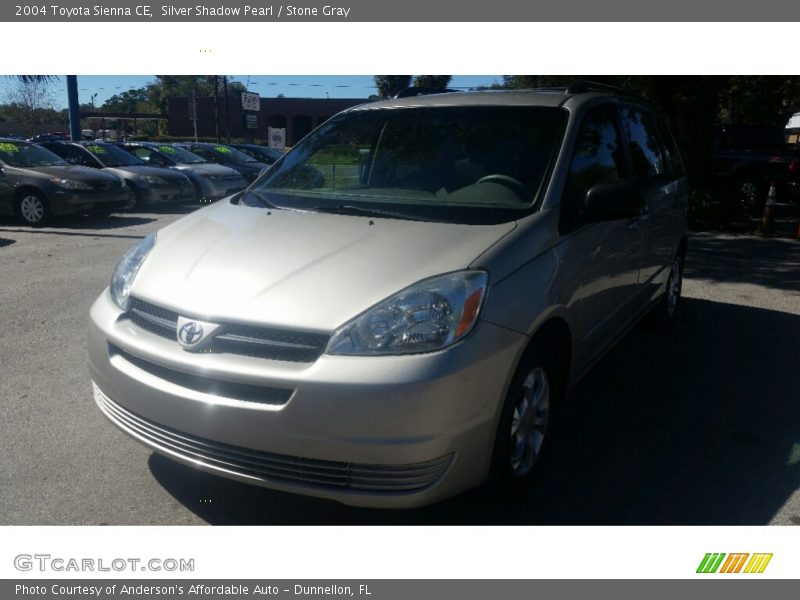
(432, 82)
(390, 85)
(130, 101)
(31, 101)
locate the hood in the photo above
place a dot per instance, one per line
(209, 169)
(85, 174)
(139, 170)
(298, 269)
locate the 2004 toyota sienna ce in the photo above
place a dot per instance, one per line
(391, 314)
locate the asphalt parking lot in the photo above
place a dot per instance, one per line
(696, 425)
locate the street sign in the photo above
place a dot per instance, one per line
(251, 121)
(276, 136)
(251, 101)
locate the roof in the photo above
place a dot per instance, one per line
(547, 97)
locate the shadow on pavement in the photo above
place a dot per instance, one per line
(168, 209)
(773, 263)
(80, 226)
(5, 242)
(696, 425)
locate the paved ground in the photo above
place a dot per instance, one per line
(699, 425)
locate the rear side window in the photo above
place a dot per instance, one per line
(644, 146)
(671, 154)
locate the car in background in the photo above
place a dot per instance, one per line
(748, 159)
(264, 154)
(36, 184)
(150, 185)
(396, 311)
(55, 136)
(249, 167)
(211, 181)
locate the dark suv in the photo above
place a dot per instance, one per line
(748, 159)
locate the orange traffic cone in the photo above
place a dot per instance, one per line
(767, 224)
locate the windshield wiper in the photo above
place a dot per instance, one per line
(253, 198)
(349, 209)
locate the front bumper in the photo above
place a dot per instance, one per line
(216, 189)
(392, 432)
(172, 193)
(69, 202)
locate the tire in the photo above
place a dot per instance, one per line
(524, 432)
(137, 200)
(664, 312)
(32, 208)
(751, 192)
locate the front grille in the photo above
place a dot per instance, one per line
(232, 338)
(208, 385)
(267, 466)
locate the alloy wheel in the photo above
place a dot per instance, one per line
(529, 422)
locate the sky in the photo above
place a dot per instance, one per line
(304, 86)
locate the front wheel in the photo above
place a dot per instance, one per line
(666, 308)
(751, 191)
(33, 209)
(526, 423)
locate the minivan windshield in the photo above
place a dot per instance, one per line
(470, 164)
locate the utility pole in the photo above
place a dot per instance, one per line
(227, 113)
(216, 107)
(74, 108)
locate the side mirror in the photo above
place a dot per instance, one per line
(609, 201)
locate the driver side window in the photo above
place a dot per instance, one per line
(598, 158)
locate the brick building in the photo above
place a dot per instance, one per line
(298, 115)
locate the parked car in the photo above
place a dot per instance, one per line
(749, 158)
(150, 185)
(36, 184)
(249, 167)
(264, 154)
(211, 181)
(395, 312)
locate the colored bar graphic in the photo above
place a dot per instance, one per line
(710, 562)
(734, 562)
(758, 563)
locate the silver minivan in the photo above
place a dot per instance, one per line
(394, 312)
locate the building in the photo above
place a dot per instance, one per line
(297, 115)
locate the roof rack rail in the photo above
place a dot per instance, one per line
(581, 86)
(421, 91)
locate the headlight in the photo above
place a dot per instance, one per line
(126, 270)
(153, 180)
(427, 316)
(71, 184)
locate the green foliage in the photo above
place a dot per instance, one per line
(757, 99)
(432, 82)
(389, 85)
(130, 101)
